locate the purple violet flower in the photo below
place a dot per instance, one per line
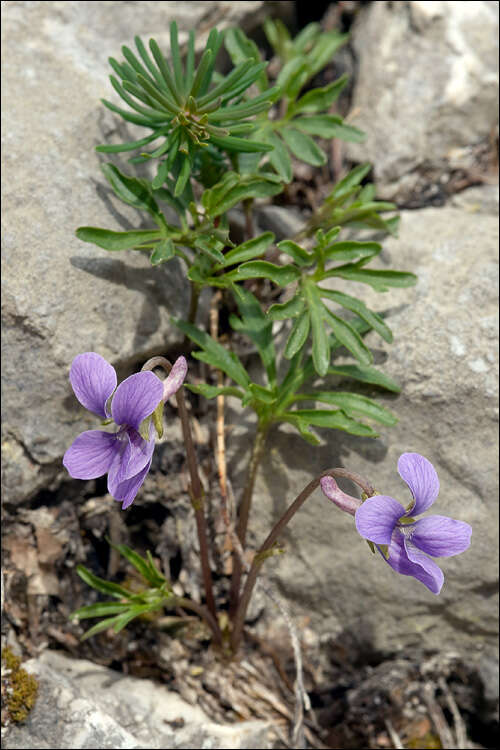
(384, 521)
(125, 456)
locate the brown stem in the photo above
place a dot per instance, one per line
(244, 512)
(193, 302)
(196, 490)
(197, 501)
(260, 556)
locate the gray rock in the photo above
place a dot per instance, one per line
(84, 705)
(61, 296)
(445, 356)
(427, 88)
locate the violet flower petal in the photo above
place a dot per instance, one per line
(136, 398)
(427, 565)
(333, 492)
(376, 518)
(399, 561)
(141, 452)
(91, 454)
(126, 491)
(422, 479)
(440, 536)
(93, 381)
(175, 378)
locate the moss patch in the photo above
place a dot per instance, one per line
(19, 689)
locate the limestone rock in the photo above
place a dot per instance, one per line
(83, 705)
(427, 89)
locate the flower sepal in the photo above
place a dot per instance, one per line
(157, 417)
(371, 545)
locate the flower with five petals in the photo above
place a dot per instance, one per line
(406, 542)
(125, 456)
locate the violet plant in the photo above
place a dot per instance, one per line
(228, 140)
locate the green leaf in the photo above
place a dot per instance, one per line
(257, 327)
(319, 100)
(351, 180)
(365, 375)
(99, 610)
(109, 240)
(291, 75)
(163, 252)
(320, 344)
(289, 309)
(240, 144)
(214, 353)
(348, 336)
(99, 627)
(211, 246)
(279, 157)
(323, 125)
(151, 575)
(262, 394)
(298, 335)
(324, 49)
(117, 148)
(241, 48)
(350, 251)
(353, 404)
(105, 587)
(358, 307)
(348, 133)
(335, 420)
(379, 280)
(299, 255)
(303, 147)
(247, 187)
(262, 269)
(211, 391)
(130, 190)
(247, 250)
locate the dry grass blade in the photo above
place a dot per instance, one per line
(395, 738)
(437, 717)
(459, 726)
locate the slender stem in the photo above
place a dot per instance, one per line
(244, 512)
(260, 556)
(205, 614)
(197, 501)
(193, 302)
(196, 490)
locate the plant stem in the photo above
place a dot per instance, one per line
(244, 512)
(197, 502)
(260, 556)
(193, 302)
(196, 492)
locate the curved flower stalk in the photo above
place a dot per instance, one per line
(404, 542)
(125, 455)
